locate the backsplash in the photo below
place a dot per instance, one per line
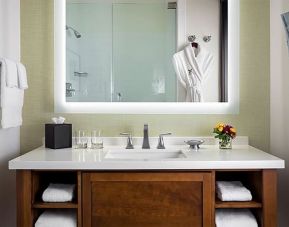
(252, 121)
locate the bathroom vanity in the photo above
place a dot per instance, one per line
(171, 187)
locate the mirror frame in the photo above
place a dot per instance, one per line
(230, 107)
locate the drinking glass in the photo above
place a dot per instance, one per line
(96, 139)
(82, 139)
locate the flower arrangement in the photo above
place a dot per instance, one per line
(225, 134)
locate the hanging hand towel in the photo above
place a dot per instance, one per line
(235, 218)
(11, 99)
(232, 191)
(22, 76)
(11, 73)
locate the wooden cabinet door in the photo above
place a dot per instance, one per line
(147, 199)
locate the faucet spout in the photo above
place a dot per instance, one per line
(146, 143)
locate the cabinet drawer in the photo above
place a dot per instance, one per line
(147, 199)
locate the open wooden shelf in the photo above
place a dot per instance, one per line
(249, 204)
(42, 205)
(40, 180)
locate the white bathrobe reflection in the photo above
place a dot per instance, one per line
(192, 65)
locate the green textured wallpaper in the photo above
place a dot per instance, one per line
(253, 120)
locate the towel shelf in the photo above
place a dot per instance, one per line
(255, 181)
(39, 181)
(237, 205)
(41, 205)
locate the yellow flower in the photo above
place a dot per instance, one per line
(220, 125)
(233, 130)
(220, 129)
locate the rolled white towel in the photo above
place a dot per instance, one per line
(58, 193)
(57, 218)
(232, 191)
(235, 218)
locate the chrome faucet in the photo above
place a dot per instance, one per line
(161, 144)
(146, 143)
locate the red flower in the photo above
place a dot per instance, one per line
(227, 129)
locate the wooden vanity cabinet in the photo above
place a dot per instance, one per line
(147, 199)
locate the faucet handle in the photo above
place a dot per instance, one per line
(161, 144)
(129, 140)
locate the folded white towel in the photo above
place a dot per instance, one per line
(232, 191)
(57, 218)
(11, 100)
(58, 193)
(235, 218)
(22, 76)
(11, 73)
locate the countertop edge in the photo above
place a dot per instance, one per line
(194, 165)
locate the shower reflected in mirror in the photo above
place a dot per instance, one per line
(76, 33)
(123, 51)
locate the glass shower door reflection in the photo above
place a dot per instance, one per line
(89, 51)
(144, 41)
(120, 52)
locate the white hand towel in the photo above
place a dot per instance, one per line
(11, 101)
(11, 73)
(57, 218)
(235, 218)
(58, 193)
(232, 191)
(22, 76)
(11, 117)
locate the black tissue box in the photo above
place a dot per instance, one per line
(58, 136)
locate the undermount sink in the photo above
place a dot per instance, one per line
(139, 154)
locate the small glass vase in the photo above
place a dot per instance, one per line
(225, 143)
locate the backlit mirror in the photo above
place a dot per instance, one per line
(155, 52)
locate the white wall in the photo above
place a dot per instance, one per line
(279, 139)
(9, 139)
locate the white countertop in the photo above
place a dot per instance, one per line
(208, 157)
